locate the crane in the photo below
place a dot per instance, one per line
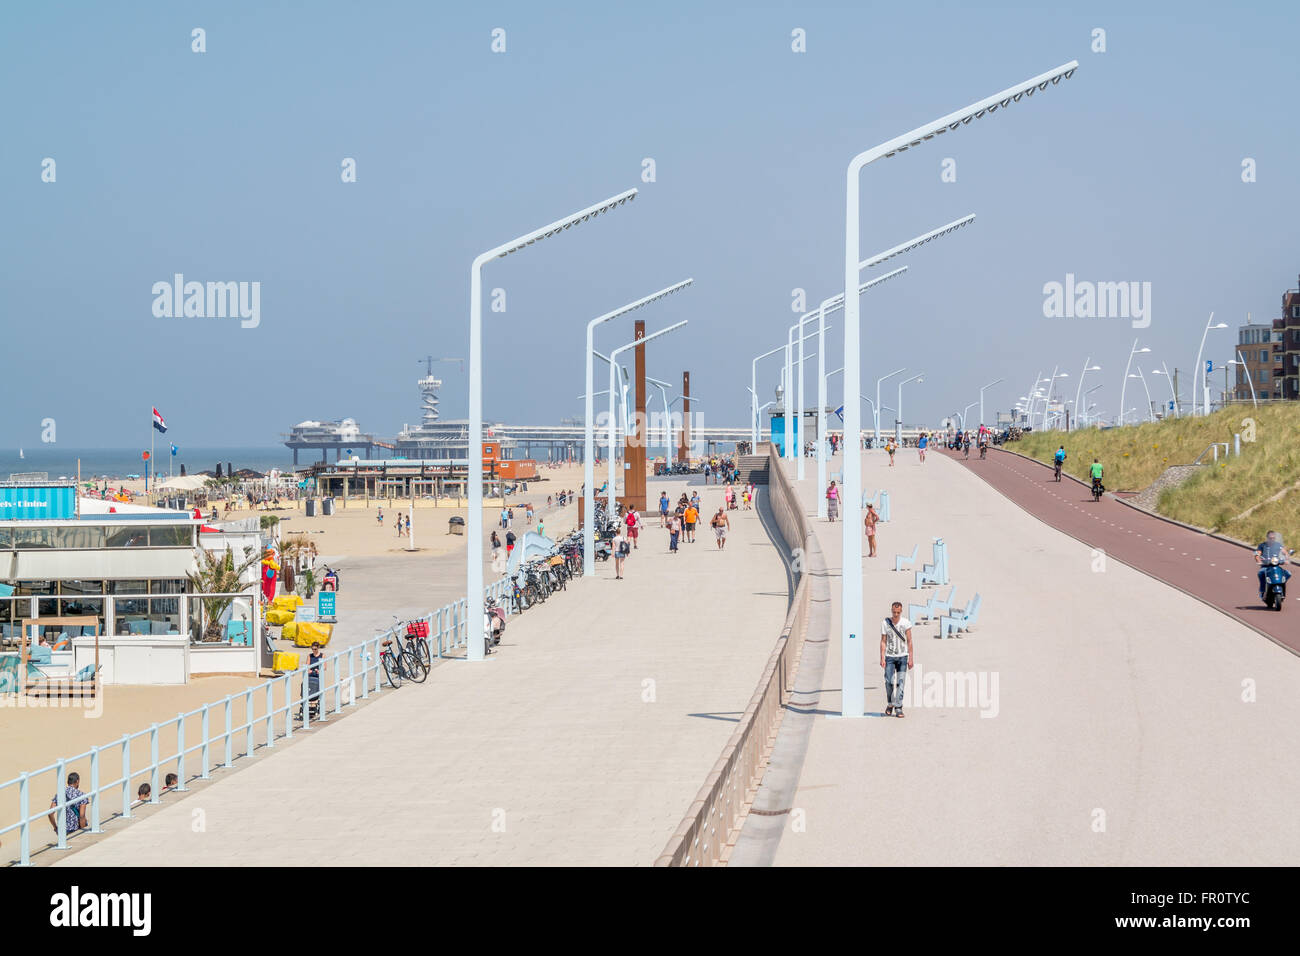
(429, 360)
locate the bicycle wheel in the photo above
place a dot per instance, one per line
(532, 595)
(392, 670)
(415, 668)
(422, 644)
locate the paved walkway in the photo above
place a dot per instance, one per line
(1132, 724)
(582, 741)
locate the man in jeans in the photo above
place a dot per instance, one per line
(75, 807)
(895, 657)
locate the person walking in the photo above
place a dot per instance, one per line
(891, 448)
(674, 532)
(621, 550)
(503, 519)
(399, 524)
(496, 549)
(408, 524)
(381, 516)
(869, 523)
(895, 657)
(832, 501)
(633, 522)
(663, 509)
(689, 518)
(721, 524)
(510, 543)
(921, 444)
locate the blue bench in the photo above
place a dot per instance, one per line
(901, 560)
(937, 572)
(932, 608)
(959, 620)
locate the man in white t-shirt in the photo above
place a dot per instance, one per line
(895, 657)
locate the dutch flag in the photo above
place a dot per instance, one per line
(158, 422)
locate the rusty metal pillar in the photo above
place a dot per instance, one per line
(634, 446)
(684, 449)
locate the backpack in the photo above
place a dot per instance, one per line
(624, 549)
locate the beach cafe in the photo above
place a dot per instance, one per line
(88, 583)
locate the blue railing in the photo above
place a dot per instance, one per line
(266, 718)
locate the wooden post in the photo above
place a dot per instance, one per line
(635, 445)
(684, 449)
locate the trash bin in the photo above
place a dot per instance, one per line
(311, 507)
(327, 506)
(455, 525)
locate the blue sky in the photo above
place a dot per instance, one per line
(225, 166)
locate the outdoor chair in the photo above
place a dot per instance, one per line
(960, 620)
(931, 608)
(936, 573)
(903, 561)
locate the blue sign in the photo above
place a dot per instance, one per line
(1171, 404)
(325, 603)
(37, 502)
(1209, 366)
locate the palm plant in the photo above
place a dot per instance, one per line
(218, 573)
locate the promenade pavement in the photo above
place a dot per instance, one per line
(1129, 723)
(582, 740)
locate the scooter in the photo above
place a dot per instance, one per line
(1275, 578)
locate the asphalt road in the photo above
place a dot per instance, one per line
(1221, 574)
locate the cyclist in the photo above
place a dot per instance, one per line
(1060, 460)
(1096, 472)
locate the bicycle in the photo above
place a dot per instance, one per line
(1097, 489)
(1057, 469)
(389, 660)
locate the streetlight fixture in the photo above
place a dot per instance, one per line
(753, 389)
(1199, 370)
(898, 422)
(852, 637)
(830, 305)
(1150, 413)
(1051, 387)
(589, 437)
(474, 469)
(1173, 395)
(989, 385)
(878, 407)
(609, 492)
(966, 411)
(1238, 361)
(663, 395)
(1124, 384)
(1079, 390)
(788, 378)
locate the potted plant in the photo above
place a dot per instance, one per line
(218, 573)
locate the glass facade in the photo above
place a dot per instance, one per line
(87, 537)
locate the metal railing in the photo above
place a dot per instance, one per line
(714, 817)
(264, 717)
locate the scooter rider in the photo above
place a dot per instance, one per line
(1271, 547)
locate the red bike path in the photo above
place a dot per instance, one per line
(1221, 574)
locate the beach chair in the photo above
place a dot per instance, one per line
(84, 683)
(931, 608)
(937, 572)
(961, 619)
(901, 560)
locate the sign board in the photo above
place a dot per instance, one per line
(325, 604)
(1209, 366)
(1171, 405)
(305, 613)
(37, 502)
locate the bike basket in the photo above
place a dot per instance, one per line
(418, 629)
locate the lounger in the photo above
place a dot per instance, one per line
(960, 620)
(903, 561)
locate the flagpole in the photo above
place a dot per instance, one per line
(151, 461)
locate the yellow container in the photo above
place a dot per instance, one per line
(287, 602)
(284, 661)
(311, 632)
(289, 631)
(278, 617)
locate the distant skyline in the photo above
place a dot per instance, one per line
(229, 166)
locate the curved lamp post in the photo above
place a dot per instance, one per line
(989, 385)
(852, 636)
(898, 422)
(1238, 361)
(1079, 389)
(1200, 370)
(1123, 385)
(474, 470)
(589, 437)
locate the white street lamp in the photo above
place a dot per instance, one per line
(852, 636)
(753, 389)
(878, 407)
(1086, 407)
(965, 412)
(589, 438)
(1238, 361)
(663, 395)
(1124, 384)
(898, 422)
(609, 492)
(474, 469)
(828, 306)
(1079, 389)
(1173, 395)
(989, 385)
(1200, 370)
(787, 398)
(1051, 386)
(1150, 414)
